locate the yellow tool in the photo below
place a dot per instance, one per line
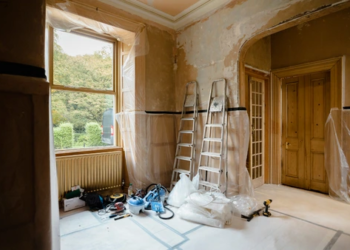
(123, 216)
(267, 206)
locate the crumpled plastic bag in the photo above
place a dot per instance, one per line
(244, 205)
(183, 188)
(212, 209)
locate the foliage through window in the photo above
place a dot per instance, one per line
(83, 91)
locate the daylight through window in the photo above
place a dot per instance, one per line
(83, 91)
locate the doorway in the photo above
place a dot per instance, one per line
(301, 98)
(305, 107)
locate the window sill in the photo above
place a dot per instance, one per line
(69, 152)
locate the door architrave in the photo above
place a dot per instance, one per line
(335, 66)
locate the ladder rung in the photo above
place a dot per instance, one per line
(181, 171)
(215, 125)
(187, 119)
(185, 144)
(184, 158)
(210, 169)
(211, 154)
(186, 131)
(208, 184)
(212, 139)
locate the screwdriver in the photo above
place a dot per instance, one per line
(123, 216)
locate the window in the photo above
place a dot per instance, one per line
(84, 93)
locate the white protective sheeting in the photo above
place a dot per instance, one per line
(66, 21)
(149, 145)
(337, 154)
(212, 209)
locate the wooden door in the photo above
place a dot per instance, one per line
(306, 104)
(257, 122)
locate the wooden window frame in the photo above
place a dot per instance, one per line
(115, 91)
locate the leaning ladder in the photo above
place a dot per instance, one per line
(190, 102)
(213, 169)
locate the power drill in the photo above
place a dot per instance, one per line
(267, 206)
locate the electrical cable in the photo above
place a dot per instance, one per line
(167, 218)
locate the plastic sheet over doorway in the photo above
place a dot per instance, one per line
(337, 154)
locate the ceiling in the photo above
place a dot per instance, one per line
(174, 14)
(171, 7)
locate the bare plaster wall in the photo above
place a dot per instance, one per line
(160, 75)
(209, 48)
(21, 32)
(319, 39)
(259, 54)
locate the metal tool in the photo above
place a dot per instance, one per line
(189, 107)
(123, 216)
(251, 216)
(267, 206)
(212, 167)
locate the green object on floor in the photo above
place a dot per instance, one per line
(72, 194)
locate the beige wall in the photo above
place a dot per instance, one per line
(319, 39)
(25, 192)
(259, 54)
(21, 32)
(160, 75)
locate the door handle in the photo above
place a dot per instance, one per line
(287, 145)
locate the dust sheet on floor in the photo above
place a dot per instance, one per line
(89, 230)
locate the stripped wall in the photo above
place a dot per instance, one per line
(209, 48)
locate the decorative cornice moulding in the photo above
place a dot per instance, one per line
(177, 22)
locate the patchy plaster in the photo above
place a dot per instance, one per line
(214, 50)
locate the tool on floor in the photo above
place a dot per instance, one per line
(212, 169)
(155, 195)
(123, 216)
(186, 140)
(155, 198)
(136, 204)
(251, 216)
(267, 206)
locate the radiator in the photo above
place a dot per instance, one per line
(93, 172)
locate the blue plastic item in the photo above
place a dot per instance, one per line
(136, 201)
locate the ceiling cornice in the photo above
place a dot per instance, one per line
(177, 22)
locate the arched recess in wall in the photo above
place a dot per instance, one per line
(273, 164)
(294, 21)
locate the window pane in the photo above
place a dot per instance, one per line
(80, 61)
(82, 120)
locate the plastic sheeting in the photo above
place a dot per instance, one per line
(337, 154)
(149, 145)
(150, 141)
(67, 21)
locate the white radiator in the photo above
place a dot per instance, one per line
(93, 172)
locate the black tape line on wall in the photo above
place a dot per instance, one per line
(19, 69)
(191, 112)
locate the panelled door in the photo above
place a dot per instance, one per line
(305, 107)
(257, 122)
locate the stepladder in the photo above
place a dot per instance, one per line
(212, 164)
(186, 141)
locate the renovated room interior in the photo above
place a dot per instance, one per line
(92, 93)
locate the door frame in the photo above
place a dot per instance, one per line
(264, 75)
(335, 66)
